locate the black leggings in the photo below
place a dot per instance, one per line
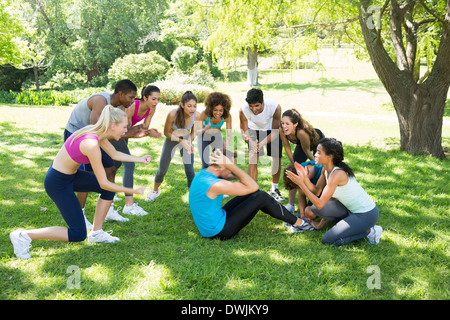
(242, 209)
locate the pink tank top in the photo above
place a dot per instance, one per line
(74, 149)
(135, 119)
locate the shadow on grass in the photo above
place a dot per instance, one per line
(162, 256)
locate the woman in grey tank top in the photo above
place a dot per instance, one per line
(179, 131)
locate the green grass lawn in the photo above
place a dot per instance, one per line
(162, 255)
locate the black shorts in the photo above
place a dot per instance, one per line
(274, 148)
(107, 161)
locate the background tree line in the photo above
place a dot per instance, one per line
(78, 41)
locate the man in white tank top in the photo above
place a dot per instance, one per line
(260, 121)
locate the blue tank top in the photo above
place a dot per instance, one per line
(209, 217)
(205, 123)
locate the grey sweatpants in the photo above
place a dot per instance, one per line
(167, 153)
(128, 167)
(349, 227)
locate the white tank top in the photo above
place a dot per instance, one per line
(262, 121)
(352, 195)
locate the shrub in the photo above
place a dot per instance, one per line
(196, 76)
(184, 58)
(47, 97)
(171, 91)
(140, 68)
(12, 78)
(66, 81)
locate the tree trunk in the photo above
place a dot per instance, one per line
(419, 107)
(420, 113)
(36, 77)
(252, 66)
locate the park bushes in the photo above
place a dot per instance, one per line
(183, 74)
(140, 68)
(171, 93)
(47, 97)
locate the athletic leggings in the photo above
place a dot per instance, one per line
(349, 227)
(167, 153)
(242, 209)
(61, 189)
(128, 167)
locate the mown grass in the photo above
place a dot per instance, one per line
(162, 256)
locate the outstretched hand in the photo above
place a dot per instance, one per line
(146, 159)
(153, 133)
(140, 190)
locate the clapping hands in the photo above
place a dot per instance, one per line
(300, 176)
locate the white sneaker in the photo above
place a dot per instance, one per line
(275, 193)
(21, 244)
(86, 221)
(102, 237)
(134, 209)
(153, 195)
(113, 215)
(375, 234)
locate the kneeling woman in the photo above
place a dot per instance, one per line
(206, 194)
(351, 206)
(64, 178)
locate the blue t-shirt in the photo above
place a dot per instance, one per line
(209, 217)
(317, 170)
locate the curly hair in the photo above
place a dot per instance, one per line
(288, 184)
(217, 98)
(296, 117)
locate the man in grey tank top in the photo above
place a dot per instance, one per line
(87, 112)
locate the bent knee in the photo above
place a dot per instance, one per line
(77, 235)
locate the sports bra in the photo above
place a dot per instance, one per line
(212, 124)
(135, 119)
(73, 149)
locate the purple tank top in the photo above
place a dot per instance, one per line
(73, 149)
(135, 119)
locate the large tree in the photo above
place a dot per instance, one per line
(398, 36)
(419, 100)
(230, 29)
(88, 36)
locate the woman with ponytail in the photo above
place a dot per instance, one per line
(64, 178)
(296, 130)
(179, 129)
(342, 200)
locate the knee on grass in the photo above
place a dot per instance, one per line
(77, 235)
